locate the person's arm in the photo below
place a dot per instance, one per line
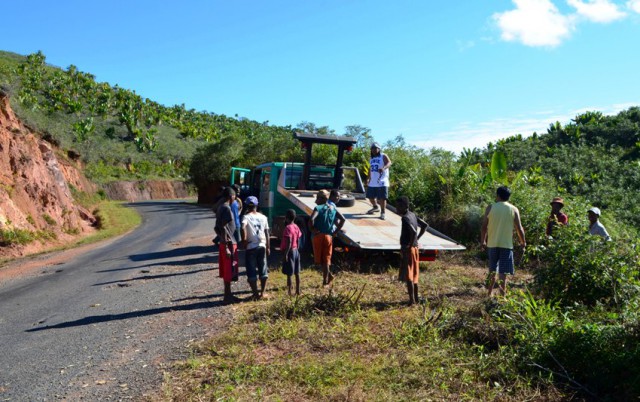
(423, 228)
(243, 233)
(340, 221)
(225, 217)
(387, 163)
(312, 220)
(287, 250)
(485, 225)
(268, 237)
(519, 228)
(412, 236)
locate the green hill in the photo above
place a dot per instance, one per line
(116, 132)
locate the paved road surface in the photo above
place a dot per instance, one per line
(104, 325)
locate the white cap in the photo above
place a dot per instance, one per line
(595, 210)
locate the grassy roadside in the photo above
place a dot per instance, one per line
(114, 219)
(360, 342)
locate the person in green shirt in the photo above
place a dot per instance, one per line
(326, 221)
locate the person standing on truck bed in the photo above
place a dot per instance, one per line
(325, 222)
(378, 180)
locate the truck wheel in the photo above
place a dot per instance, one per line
(346, 201)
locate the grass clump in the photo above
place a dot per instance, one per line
(113, 218)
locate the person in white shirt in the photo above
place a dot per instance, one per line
(595, 227)
(378, 180)
(255, 236)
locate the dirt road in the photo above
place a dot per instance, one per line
(103, 324)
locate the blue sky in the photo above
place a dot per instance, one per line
(444, 74)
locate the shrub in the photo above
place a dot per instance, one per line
(575, 267)
(13, 236)
(594, 353)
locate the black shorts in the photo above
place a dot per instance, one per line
(292, 266)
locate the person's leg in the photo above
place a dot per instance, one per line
(415, 264)
(316, 242)
(225, 263)
(494, 259)
(252, 274)
(371, 196)
(502, 284)
(295, 268)
(263, 272)
(410, 293)
(329, 252)
(383, 205)
(228, 297)
(289, 285)
(374, 204)
(492, 283)
(263, 286)
(383, 194)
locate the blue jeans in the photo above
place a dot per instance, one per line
(256, 261)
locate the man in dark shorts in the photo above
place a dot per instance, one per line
(496, 236)
(409, 236)
(228, 257)
(378, 180)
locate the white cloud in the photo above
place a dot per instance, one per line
(601, 11)
(479, 134)
(634, 5)
(534, 23)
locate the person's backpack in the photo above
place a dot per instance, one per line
(324, 220)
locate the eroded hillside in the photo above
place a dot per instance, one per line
(36, 202)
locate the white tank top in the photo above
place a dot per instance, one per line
(377, 179)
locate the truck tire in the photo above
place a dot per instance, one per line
(346, 201)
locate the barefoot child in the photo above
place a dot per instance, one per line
(410, 265)
(325, 222)
(289, 248)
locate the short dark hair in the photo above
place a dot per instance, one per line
(236, 188)
(290, 216)
(504, 193)
(404, 200)
(228, 192)
(334, 193)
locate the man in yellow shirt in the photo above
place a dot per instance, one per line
(499, 221)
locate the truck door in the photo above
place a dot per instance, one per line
(241, 177)
(266, 195)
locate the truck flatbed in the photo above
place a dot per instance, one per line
(369, 232)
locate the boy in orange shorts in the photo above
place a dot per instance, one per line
(325, 222)
(410, 265)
